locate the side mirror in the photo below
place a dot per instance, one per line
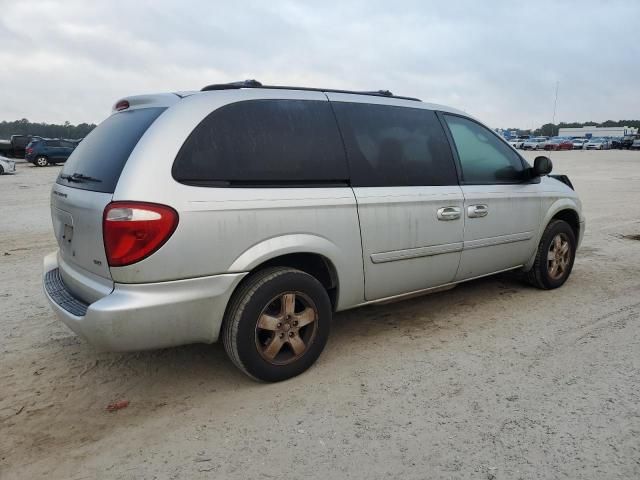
(542, 166)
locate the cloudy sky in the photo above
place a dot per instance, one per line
(500, 61)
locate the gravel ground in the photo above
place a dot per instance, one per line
(490, 380)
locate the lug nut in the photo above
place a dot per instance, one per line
(291, 334)
(295, 323)
(282, 335)
(279, 325)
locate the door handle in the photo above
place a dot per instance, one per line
(448, 213)
(477, 211)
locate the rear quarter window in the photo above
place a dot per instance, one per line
(104, 152)
(264, 143)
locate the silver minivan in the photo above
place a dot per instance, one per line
(251, 213)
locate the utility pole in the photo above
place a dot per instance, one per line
(555, 103)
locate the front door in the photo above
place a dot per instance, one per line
(409, 201)
(502, 212)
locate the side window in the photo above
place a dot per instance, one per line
(52, 143)
(259, 142)
(483, 157)
(394, 146)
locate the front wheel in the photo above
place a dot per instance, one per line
(555, 256)
(277, 324)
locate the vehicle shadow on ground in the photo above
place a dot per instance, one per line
(178, 380)
(192, 366)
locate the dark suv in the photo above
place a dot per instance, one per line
(627, 140)
(47, 151)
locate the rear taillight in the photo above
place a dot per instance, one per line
(29, 150)
(134, 230)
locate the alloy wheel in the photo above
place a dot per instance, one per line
(286, 328)
(558, 256)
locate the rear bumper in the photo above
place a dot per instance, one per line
(144, 316)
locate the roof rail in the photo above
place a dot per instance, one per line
(257, 84)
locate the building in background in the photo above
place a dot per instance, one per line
(589, 132)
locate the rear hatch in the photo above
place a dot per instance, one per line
(83, 189)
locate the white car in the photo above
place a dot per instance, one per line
(7, 166)
(536, 143)
(578, 143)
(517, 142)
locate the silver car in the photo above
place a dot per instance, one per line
(251, 214)
(597, 144)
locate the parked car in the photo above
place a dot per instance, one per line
(635, 145)
(578, 143)
(559, 144)
(49, 151)
(615, 142)
(597, 144)
(628, 140)
(536, 143)
(517, 142)
(15, 147)
(6, 165)
(251, 214)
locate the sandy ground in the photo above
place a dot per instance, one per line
(490, 380)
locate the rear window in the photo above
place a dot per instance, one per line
(98, 160)
(264, 143)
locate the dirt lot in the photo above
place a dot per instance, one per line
(490, 380)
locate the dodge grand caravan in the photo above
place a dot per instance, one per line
(252, 213)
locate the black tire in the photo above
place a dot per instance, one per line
(241, 333)
(41, 161)
(540, 274)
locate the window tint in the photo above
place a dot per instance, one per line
(66, 144)
(52, 143)
(104, 152)
(483, 156)
(394, 146)
(264, 142)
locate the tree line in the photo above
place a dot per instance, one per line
(67, 130)
(47, 130)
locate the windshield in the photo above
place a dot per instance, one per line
(98, 160)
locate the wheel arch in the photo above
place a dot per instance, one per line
(571, 217)
(309, 253)
(566, 209)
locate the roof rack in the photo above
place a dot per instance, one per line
(257, 84)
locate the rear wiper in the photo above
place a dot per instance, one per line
(69, 178)
(79, 177)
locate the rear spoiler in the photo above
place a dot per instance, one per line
(144, 101)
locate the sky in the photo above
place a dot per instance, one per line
(497, 60)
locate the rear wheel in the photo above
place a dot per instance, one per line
(42, 161)
(555, 256)
(277, 324)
